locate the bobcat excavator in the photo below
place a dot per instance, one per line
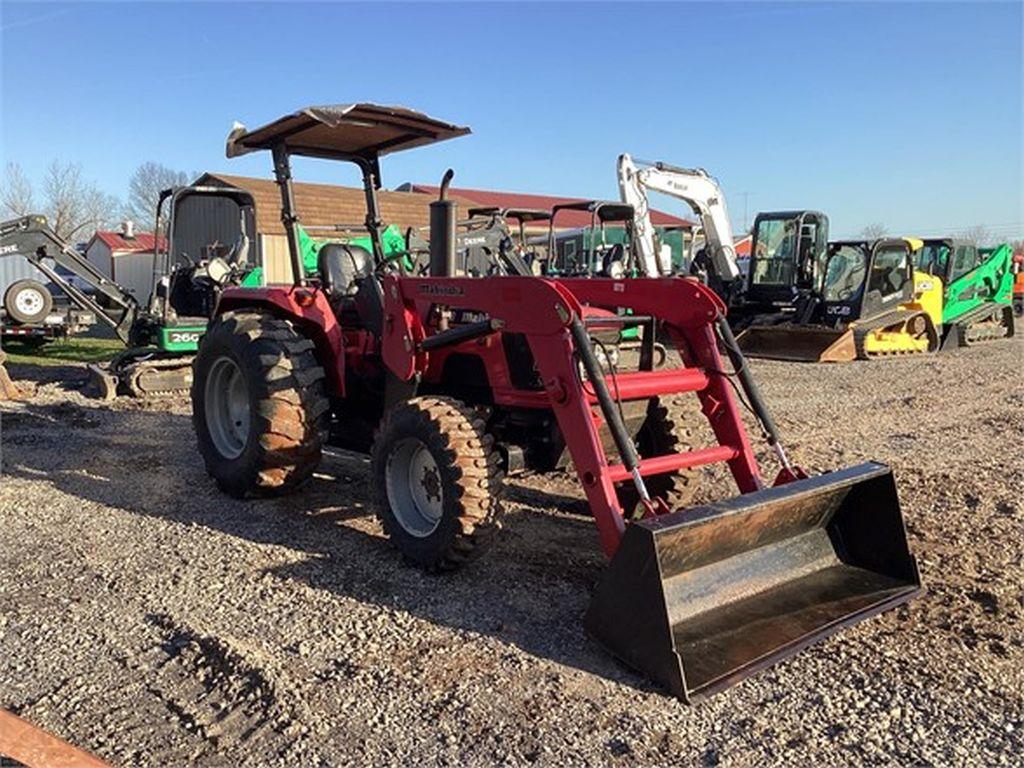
(190, 268)
(449, 381)
(698, 190)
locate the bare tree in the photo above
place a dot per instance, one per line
(145, 186)
(73, 205)
(16, 195)
(874, 231)
(976, 235)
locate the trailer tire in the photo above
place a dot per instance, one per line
(259, 409)
(665, 430)
(451, 515)
(28, 302)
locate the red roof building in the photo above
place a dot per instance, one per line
(126, 257)
(116, 241)
(742, 245)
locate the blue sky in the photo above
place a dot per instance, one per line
(907, 114)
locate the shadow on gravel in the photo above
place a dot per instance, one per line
(530, 590)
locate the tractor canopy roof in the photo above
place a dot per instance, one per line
(518, 214)
(343, 131)
(605, 210)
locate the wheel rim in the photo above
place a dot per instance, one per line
(413, 484)
(29, 301)
(227, 408)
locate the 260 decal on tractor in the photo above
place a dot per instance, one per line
(451, 381)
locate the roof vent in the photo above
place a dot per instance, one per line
(128, 229)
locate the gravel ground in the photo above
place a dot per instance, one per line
(152, 620)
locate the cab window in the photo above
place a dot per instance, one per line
(965, 260)
(775, 256)
(933, 258)
(845, 273)
(889, 270)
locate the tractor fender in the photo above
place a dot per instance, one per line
(309, 309)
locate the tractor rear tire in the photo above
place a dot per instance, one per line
(665, 430)
(259, 409)
(28, 302)
(437, 482)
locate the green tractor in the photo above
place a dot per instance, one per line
(977, 289)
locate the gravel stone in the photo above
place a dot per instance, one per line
(151, 619)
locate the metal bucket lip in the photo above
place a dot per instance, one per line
(840, 340)
(846, 477)
(794, 647)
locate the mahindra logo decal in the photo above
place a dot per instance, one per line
(434, 289)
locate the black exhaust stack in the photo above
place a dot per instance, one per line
(443, 216)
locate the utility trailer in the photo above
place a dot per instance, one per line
(62, 322)
(364, 354)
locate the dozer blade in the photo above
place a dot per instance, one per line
(700, 599)
(799, 343)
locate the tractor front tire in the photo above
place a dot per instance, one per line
(259, 409)
(665, 430)
(437, 482)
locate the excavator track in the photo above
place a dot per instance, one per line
(152, 378)
(985, 324)
(143, 373)
(863, 331)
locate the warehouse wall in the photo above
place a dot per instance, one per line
(134, 272)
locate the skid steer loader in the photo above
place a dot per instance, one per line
(365, 355)
(977, 289)
(871, 303)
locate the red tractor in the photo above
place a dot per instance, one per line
(451, 382)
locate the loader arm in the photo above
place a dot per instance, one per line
(32, 237)
(696, 598)
(698, 190)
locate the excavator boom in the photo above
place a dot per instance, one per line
(698, 190)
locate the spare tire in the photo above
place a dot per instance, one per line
(28, 302)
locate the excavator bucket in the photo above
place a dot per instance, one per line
(699, 599)
(102, 383)
(799, 343)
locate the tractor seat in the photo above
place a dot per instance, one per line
(342, 268)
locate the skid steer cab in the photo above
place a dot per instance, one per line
(453, 382)
(788, 253)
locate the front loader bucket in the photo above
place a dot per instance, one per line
(811, 344)
(700, 599)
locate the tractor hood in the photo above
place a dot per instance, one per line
(343, 131)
